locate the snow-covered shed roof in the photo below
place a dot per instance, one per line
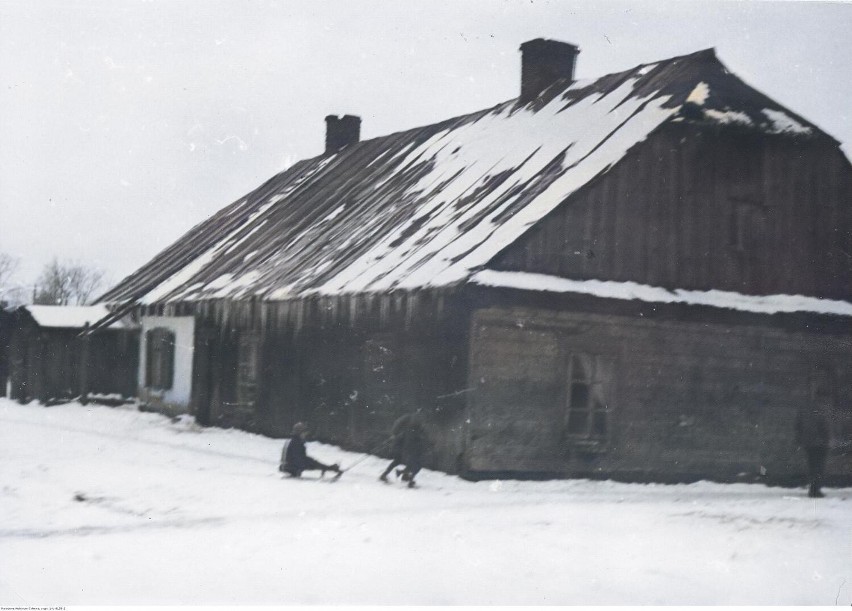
(431, 206)
(70, 317)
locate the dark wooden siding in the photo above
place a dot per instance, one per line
(113, 363)
(348, 379)
(669, 215)
(46, 364)
(6, 322)
(686, 399)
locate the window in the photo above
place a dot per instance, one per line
(159, 359)
(587, 413)
(248, 364)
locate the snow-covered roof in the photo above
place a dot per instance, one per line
(430, 206)
(762, 304)
(70, 317)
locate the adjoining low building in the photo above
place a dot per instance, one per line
(52, 361)
(643, 276)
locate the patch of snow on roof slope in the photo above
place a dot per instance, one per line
(175, 281)
(219, 282)
(700, 94)
(334, 213)
(592, 134)
(784, 123)
(238, 286)
(246, 236)
(762, 304)
(727, 117)
(69, 317)
(185, 274)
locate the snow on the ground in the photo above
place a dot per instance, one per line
(114, 506)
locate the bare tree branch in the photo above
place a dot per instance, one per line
(8, 266)
(11, 293)
(67, 283)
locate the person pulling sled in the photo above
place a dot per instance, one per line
(295, 459)
(409, 441)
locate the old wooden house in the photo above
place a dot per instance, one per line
(643, 276)
(51, 360)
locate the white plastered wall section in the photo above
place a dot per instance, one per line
(178, 396)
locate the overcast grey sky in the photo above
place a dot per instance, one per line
(125, 122)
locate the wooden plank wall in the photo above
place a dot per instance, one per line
(349, 380)
(113, 363)
(687, 400)
(664, 216)
(19, 363)
(6, 323)
(45, 364)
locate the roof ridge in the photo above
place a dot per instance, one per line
(710, 52)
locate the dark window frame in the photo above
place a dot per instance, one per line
(248, 367)
(159, 358)
(587, 407)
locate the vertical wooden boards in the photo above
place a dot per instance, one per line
(706, 209)
(686, 399)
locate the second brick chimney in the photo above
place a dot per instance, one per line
(543, 62)
(341, 132)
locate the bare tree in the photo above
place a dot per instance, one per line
(8, 267)
(85, 282)
(12, 293)
(67, 283)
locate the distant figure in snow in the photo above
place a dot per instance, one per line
(294, 456)
(812, 434)
(409, 441)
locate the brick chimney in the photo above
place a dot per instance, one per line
(341, 132)
(543, 62)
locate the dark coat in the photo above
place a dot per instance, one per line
(812, 430)
(295, 459)
(410, 441)
(295, 453)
